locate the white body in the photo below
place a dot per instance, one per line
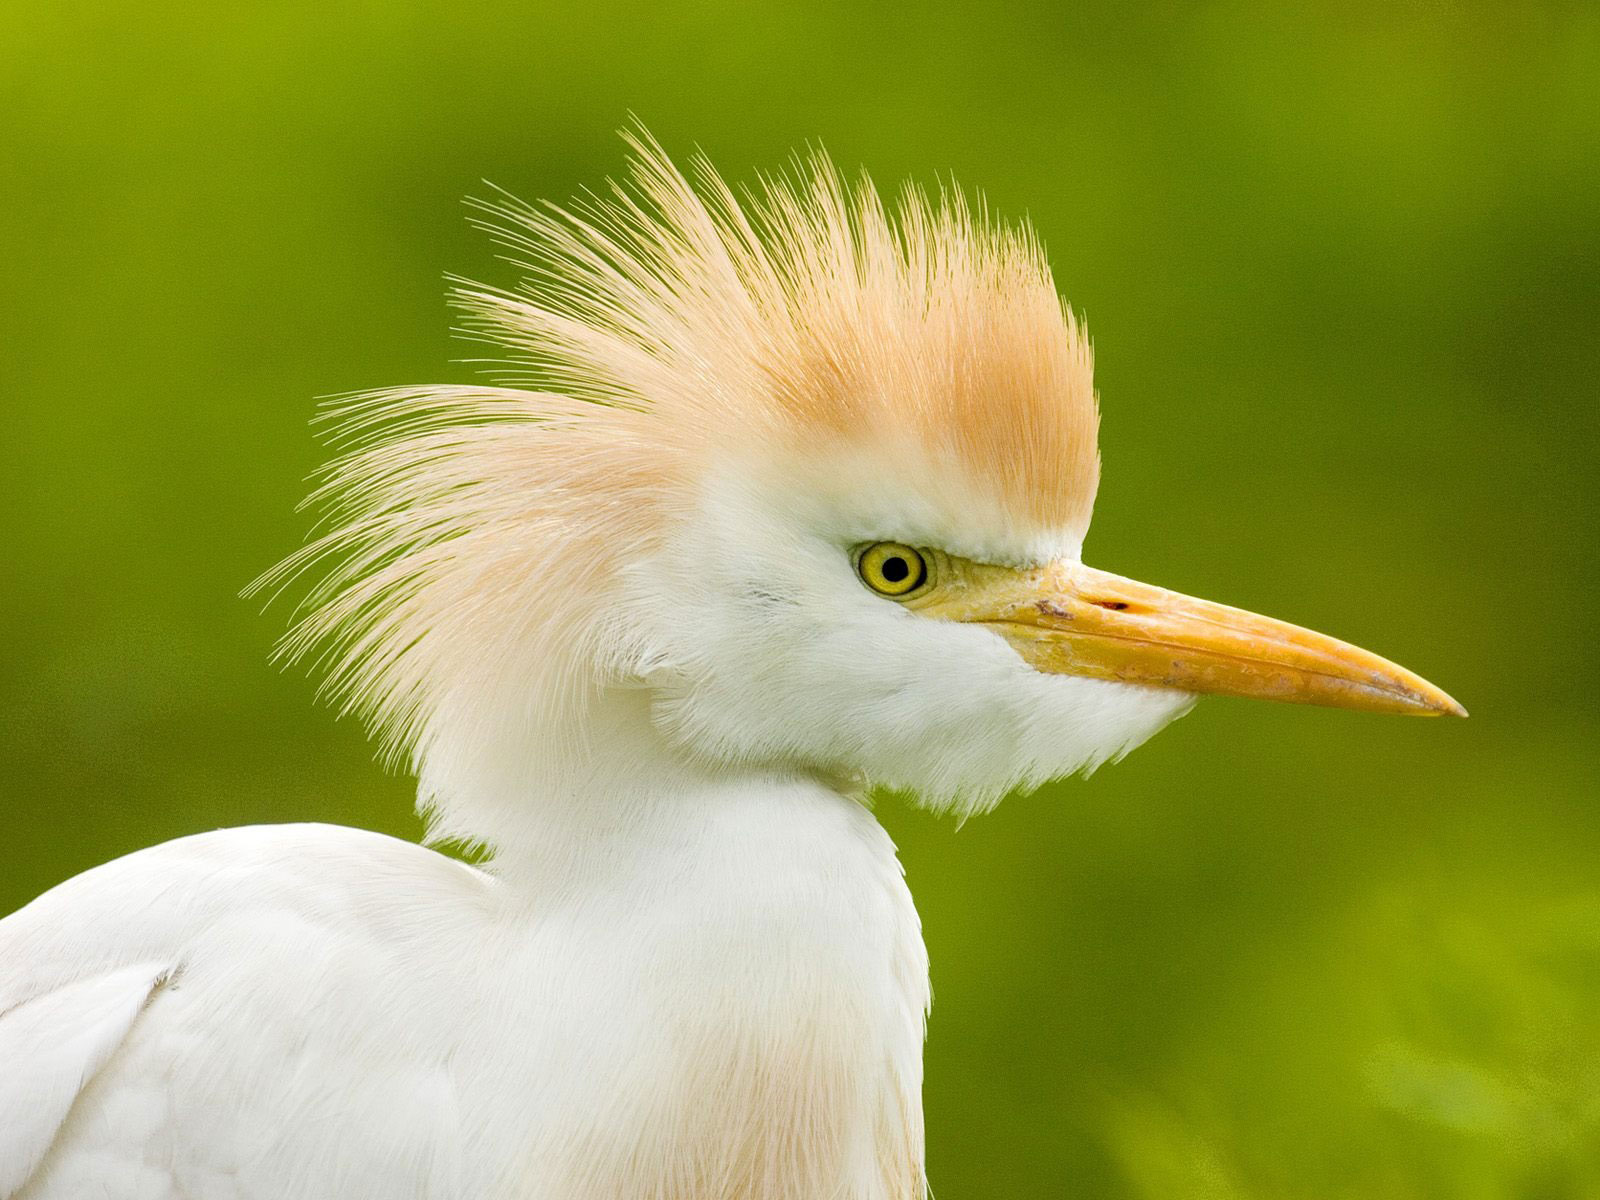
(310, 1011)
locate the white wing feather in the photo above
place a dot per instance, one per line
(53, 1045)
(161, 1015)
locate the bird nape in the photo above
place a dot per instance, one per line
(783, 498)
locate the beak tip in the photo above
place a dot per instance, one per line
(1439, 704)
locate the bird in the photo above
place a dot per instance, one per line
(772, 500)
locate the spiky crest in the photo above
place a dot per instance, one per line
(468, 530)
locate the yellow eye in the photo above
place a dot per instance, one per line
(891, 569)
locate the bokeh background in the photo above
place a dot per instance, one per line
(1342, 265)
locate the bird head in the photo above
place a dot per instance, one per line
(798, 479)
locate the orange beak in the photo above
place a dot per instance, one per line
(1069, 619)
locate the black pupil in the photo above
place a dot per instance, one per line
(896, 569)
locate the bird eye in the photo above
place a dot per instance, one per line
(891, 569)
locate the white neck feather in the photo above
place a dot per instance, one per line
(760, 917)
(550, 803)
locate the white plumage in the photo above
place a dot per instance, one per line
(791, 504)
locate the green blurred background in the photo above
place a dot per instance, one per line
(1342, 267)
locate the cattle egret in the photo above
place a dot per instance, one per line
(786, 503)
